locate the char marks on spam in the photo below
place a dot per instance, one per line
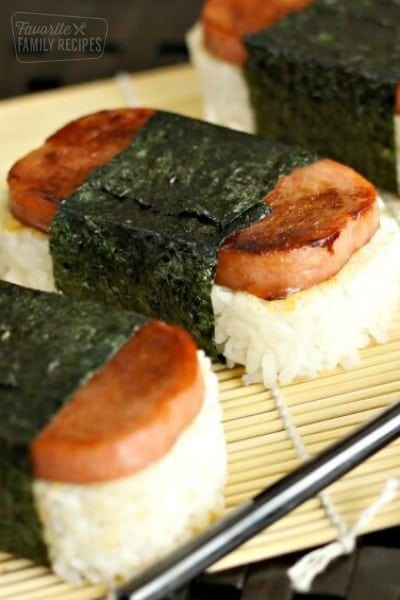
(321, 214)
(41, 179)
(128, 414)
(226, 22)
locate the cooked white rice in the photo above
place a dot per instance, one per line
(316, 329)
(107, 532)
(24, 253)
(226, 97)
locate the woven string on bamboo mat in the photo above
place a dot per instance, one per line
(261, 451)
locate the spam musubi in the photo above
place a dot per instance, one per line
(104, 416)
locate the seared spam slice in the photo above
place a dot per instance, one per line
(226, 22)
(128, 415)
(41, 179)
(321, 214)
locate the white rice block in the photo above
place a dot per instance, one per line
(226, 97)
(24, 253)
(316, 329)
(108, 532)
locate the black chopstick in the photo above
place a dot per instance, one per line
(264, 509)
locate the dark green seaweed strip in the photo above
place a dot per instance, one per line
(379, 12)
(143, 232)
(20, 530)
(326, 79)
(49, 346)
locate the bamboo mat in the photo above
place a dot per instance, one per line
(324, 409)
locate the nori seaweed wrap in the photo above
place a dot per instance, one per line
(326, 78)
